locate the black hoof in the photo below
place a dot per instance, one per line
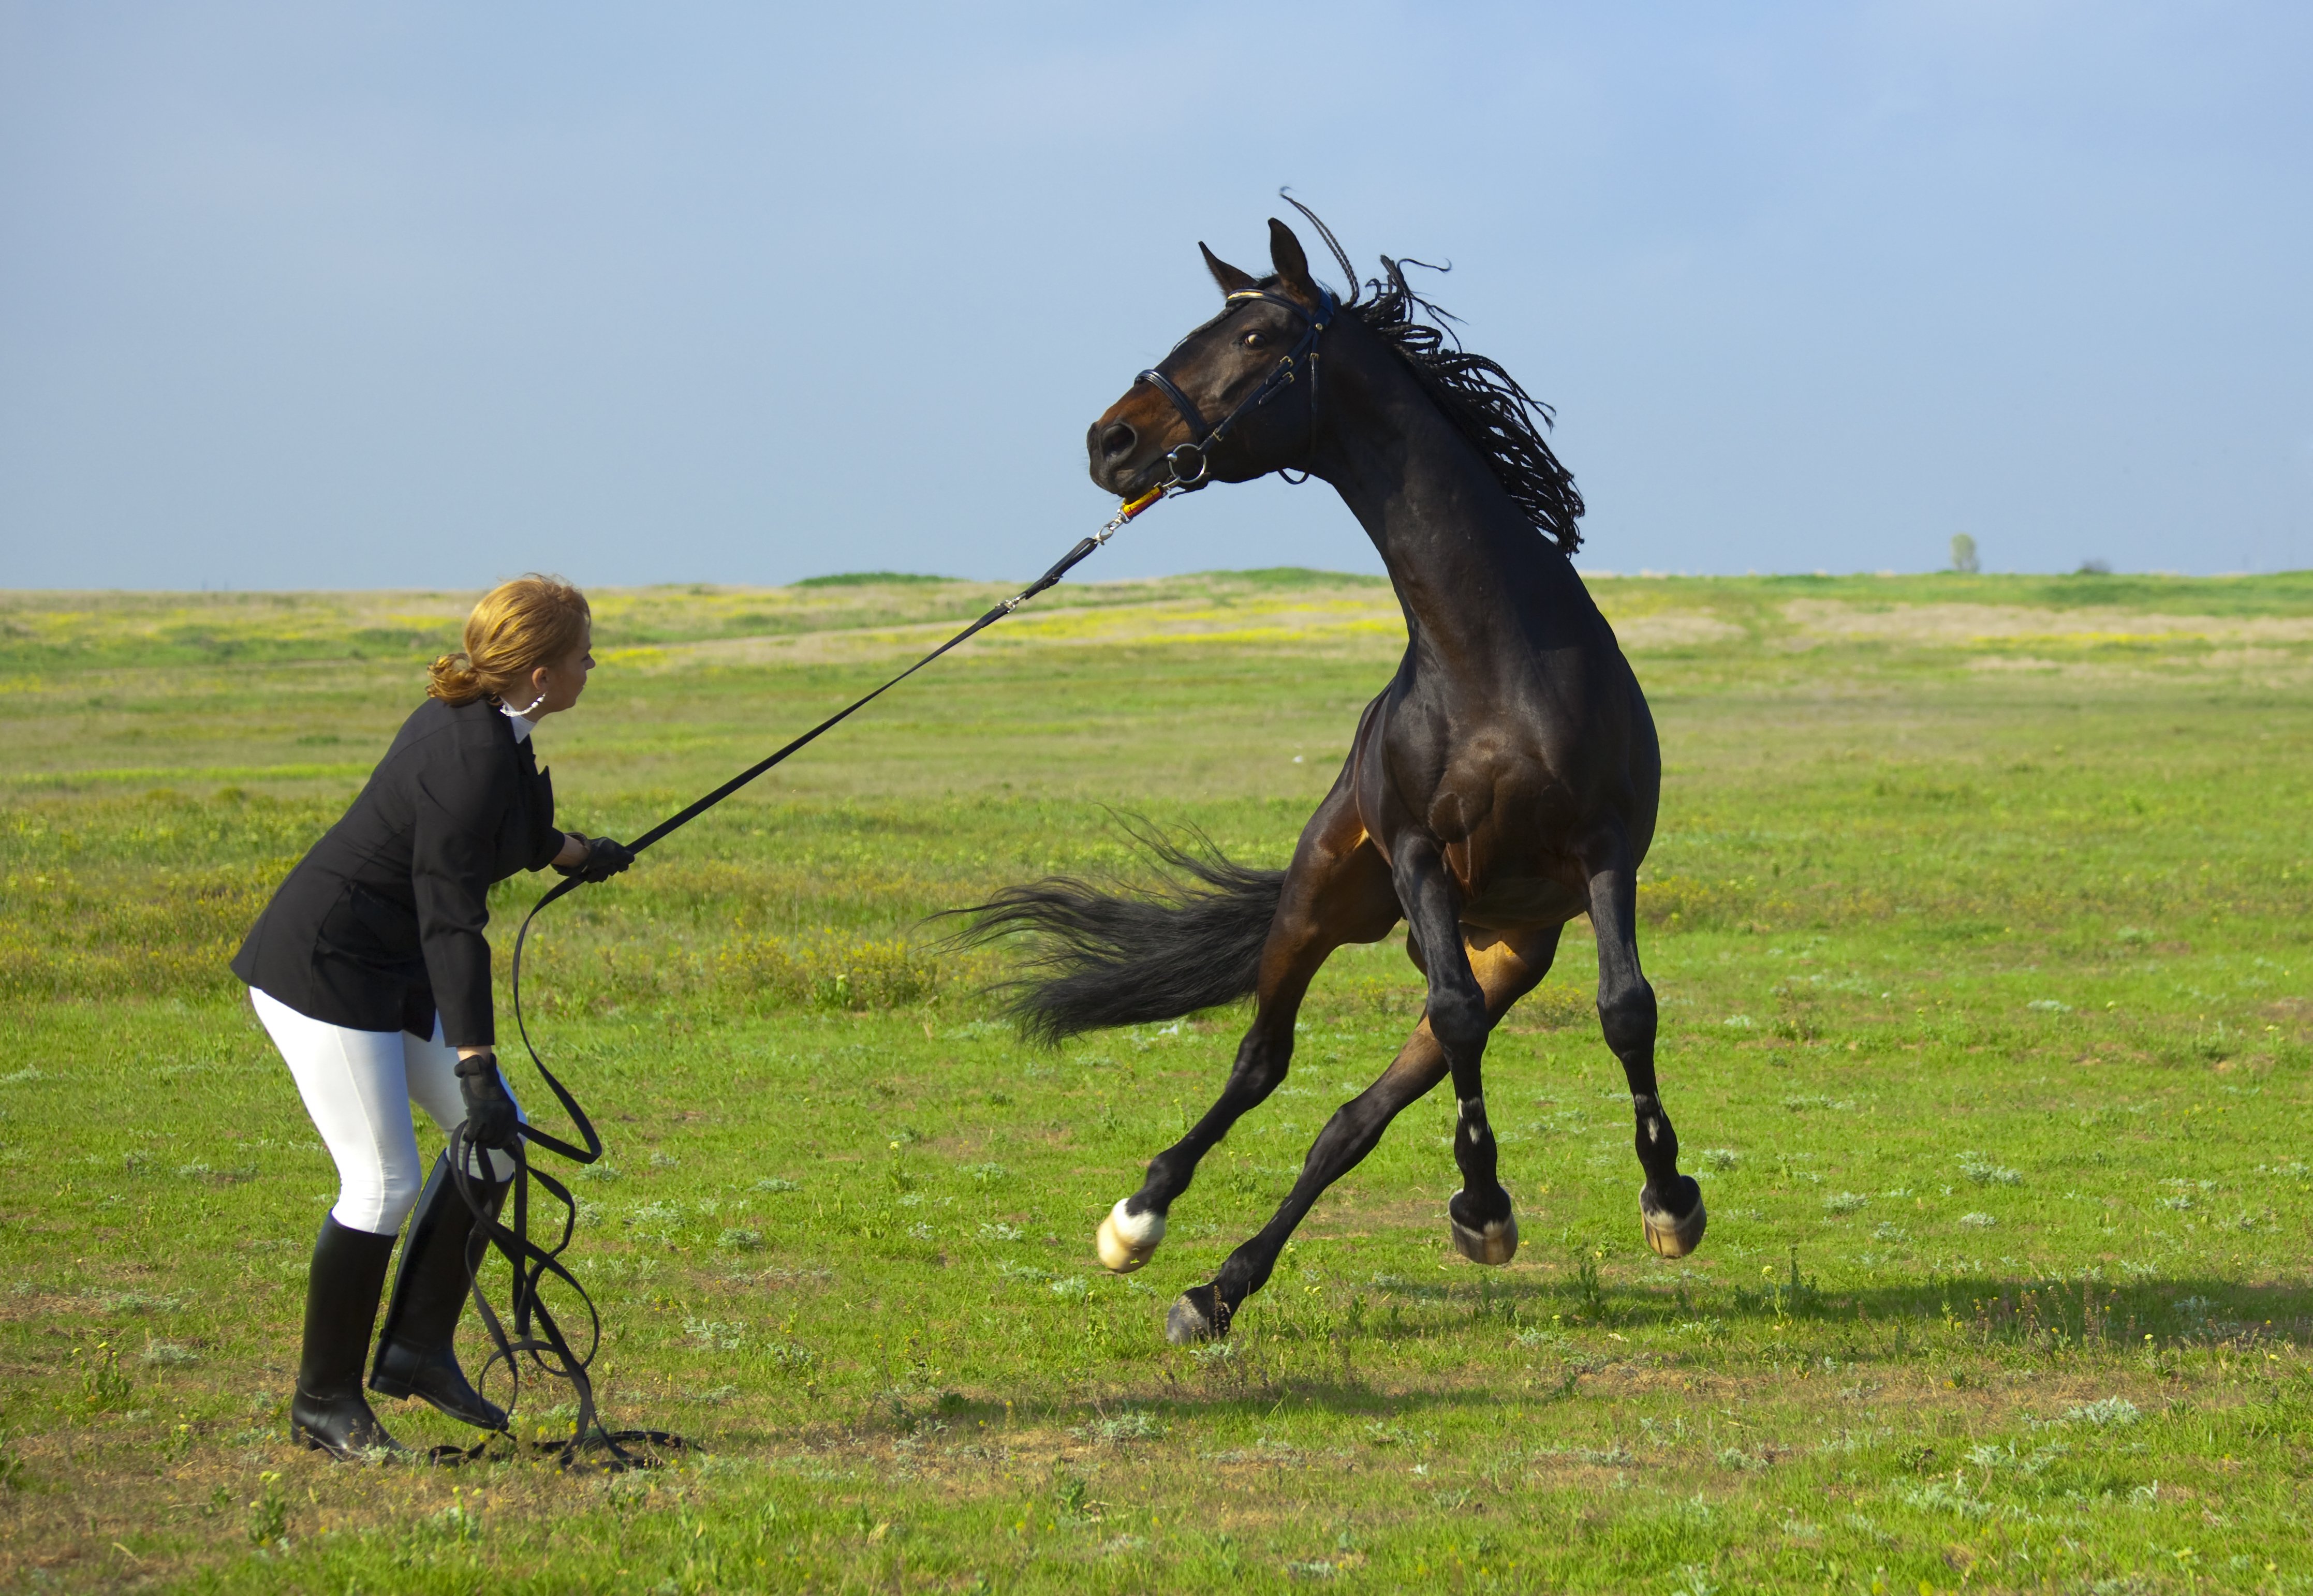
(1201, 1315)
(1674, 1232)
(1490, 1238)
(1494, 1245)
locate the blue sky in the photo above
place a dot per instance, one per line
(319, 295)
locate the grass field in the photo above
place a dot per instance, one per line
(1976, 915)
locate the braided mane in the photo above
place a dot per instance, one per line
(1485, 403)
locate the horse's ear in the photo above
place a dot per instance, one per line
(1231, 279)
(1292, 264)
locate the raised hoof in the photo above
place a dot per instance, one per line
(1125, 1240)
(1671, 1236)
(1199, 1316)
(1494, 1243)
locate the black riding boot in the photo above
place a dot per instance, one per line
(416, 1357)
(329, 1411)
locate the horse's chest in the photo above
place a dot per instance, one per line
(1497, 815)
(1489, 796)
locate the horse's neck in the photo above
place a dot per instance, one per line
(1469, 570)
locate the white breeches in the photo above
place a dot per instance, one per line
(359, 1086)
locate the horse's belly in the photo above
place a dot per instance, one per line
(1526, 901)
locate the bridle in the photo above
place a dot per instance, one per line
(1189, 461)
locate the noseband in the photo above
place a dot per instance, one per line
(1188, 461)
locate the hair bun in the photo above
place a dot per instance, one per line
(452, 678)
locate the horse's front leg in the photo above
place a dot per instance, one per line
(1670, 1205)
(1479, 1221)
(1336, 891)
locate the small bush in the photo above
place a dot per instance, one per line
(1128, 1425)
(269, 1513)
(103, 1387)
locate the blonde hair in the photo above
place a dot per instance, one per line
(533, 620)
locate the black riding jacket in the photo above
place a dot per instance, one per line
(381, 921)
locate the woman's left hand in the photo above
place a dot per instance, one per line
(602, 859)
(492, 1120)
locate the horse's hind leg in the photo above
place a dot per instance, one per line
(1505, 971)
(1337, 891)
(1670, 1205)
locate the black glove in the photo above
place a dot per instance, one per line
(491, 1120)
(603, 860)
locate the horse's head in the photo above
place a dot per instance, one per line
(1235, 398)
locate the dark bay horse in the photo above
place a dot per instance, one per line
(1504, 781)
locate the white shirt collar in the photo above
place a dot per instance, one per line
(522, 725)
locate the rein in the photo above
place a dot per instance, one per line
(534, 1330)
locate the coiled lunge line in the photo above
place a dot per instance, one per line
(501, 1211)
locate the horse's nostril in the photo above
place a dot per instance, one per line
(1118, 440)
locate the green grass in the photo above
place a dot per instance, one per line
(1977, 920)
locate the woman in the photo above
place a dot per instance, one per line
(371, 973)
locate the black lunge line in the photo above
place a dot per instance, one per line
(534, 1329)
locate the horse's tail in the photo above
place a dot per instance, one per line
(1117, 958)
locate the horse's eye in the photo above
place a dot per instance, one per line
(1255, 339)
